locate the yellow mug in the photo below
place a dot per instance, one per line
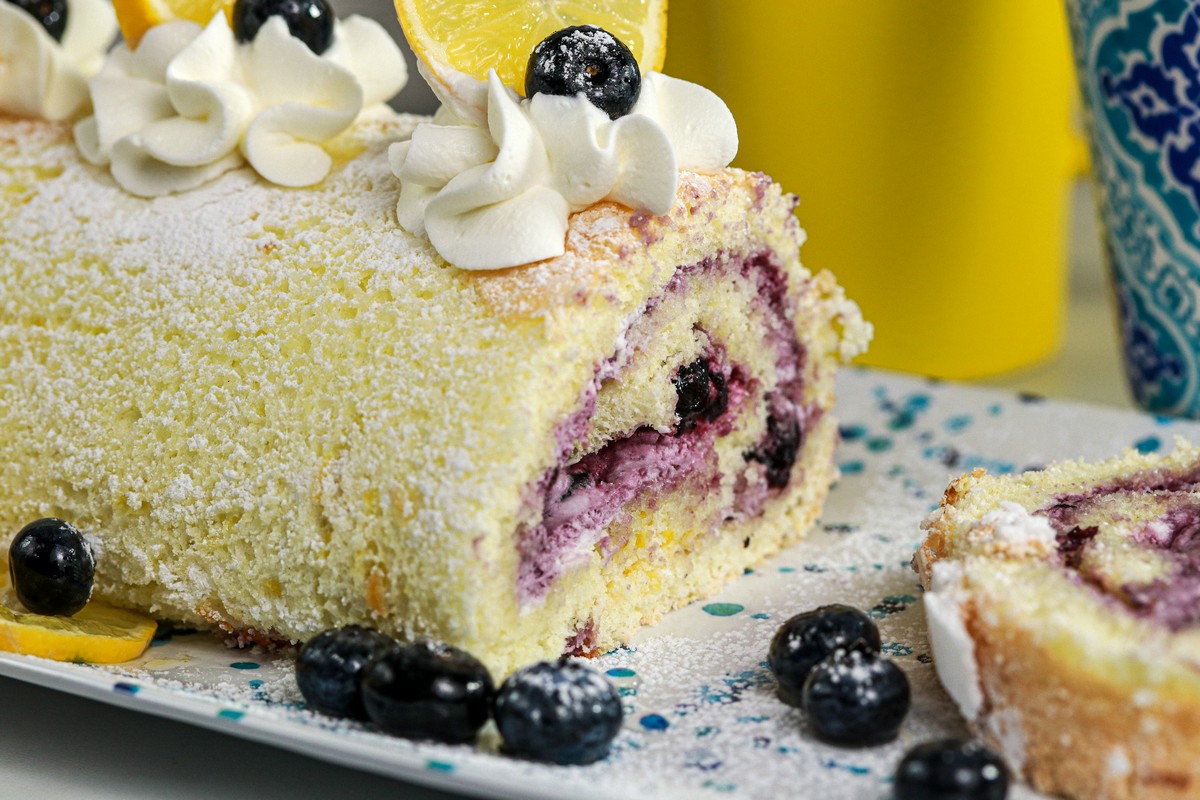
(931, 145)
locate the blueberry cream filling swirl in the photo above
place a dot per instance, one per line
(1151, 564)
(598, 478)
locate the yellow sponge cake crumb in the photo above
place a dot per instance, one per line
(275, 411)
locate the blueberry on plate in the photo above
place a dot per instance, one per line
(428, 690)
(310, 21)
(51, 14)
(589, 60)
(562, 712)
(809, 638)
(856, 698)
(52, 567)
(330, 666)
(951, 769)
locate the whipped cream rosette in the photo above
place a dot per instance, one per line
(191, 103)
(42, 77)
(499, 194)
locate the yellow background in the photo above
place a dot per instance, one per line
(930, 142)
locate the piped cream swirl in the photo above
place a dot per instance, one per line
(501, 196)
(41, 77)
(191, 103)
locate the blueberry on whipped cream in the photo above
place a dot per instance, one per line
(310, 21)
(191, 103)
(48, 51)
(586, 60)
(51, 14)
(497, 190)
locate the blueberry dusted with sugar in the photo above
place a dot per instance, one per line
(52, 567)
(428, 690)
(809, 638)
(703, 394)
(310, 21)
(562, 712)
(330, 667)
(586, 59)
(856, 698)
(51, 14)
(951, 769)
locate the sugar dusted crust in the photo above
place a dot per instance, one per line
(275, 411)
(1086, 691)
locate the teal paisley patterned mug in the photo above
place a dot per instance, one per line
(1139, 69)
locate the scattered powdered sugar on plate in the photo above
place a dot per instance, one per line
(702, 718)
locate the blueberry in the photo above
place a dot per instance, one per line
(428, 690)
(702, 393)
(561, 712)
(310, 21)
(331, 664)
(809, 638)
(52, 567)
(575, 482)
(951, 769)
(856, 698)
(52, 14)
(586, 59)
(778, 450)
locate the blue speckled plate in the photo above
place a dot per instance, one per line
(702, 719)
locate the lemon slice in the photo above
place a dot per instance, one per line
(138, 16)
(98, 634)
(458, 41)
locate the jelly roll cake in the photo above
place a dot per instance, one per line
(274, 409)
(1063, 609)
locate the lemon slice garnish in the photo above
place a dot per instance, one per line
(97, 634)
(138, 16)
(458, 41)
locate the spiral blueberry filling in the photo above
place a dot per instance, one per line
(581, 498)
(1172, 598)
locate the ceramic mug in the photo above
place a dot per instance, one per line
(1140, 76)
(932, 147)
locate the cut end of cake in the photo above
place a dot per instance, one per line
(1064, 619)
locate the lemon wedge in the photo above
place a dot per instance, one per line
(458, 41)
(98, 634)
(138, 16)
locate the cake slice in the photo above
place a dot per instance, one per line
(275, 411)
(1064, 616)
